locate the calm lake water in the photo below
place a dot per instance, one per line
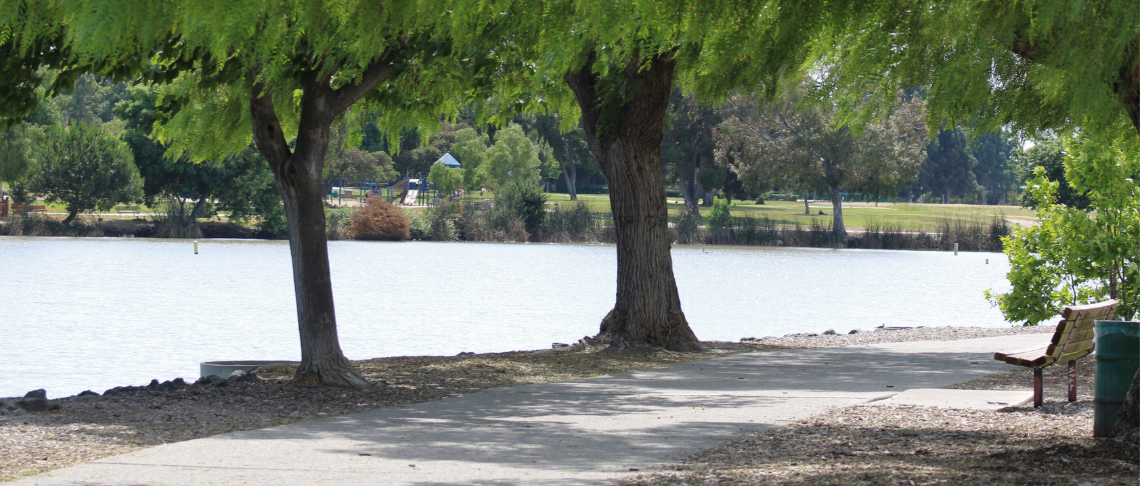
(93, 313)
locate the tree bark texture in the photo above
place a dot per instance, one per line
(298, 174)
(626, 139)
(1127, 87)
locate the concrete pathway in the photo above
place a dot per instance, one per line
(583, 432)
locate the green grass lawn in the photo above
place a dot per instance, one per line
(855, 215)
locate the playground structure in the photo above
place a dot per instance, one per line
(408, 191)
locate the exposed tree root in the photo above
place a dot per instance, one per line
(339, 374)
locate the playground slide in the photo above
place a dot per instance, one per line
(411, 197)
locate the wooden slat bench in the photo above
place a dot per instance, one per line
(127, 209)
(1073, 339)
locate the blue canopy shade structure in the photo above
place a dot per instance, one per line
(449, 161)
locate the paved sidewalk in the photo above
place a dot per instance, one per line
(583, 432)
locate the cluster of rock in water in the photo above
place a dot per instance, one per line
(36, 400)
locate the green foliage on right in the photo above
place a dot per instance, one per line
(85, 168)
(1077, 256)
(1048, 153)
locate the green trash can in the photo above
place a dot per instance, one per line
(1117, 359)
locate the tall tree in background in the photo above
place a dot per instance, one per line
(799, 144)
(85, 168)
(949, 167)
(994, 171)
(513, 157)
(688, 147)
(563, 147)
(470, 148)
(346, 160)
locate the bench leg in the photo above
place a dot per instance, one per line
(1073, 380)
(1037, 399)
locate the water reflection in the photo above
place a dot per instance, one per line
(80, 313)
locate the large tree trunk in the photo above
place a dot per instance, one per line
(807, 210)
(647, 310)
(298, 174)
(837, 213)
(321, 358)
(1127, 87)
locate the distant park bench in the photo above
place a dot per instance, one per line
(127, 209)
(30, 209)
(1073, 339)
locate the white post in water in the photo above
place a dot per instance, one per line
(955, 248)
(196, 247)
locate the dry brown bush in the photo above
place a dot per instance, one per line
(380, 220)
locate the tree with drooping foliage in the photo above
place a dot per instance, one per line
(620, 62)
(286, 70)
(513, 157)
(1026, 65)
(470, 148)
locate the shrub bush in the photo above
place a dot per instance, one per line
(718, 215)
(575, 224)
(175, 222)
(338, 220)
(688, 226)
(442, 221)
(519, 202)
(380, 220)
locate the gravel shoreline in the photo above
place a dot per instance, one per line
(139, 417)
